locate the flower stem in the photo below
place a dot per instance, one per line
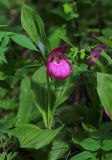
(49, 104)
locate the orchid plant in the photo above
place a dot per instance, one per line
(49, 119)
(52, 83)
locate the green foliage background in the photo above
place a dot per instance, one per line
(80, 129)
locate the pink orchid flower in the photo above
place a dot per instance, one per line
(58, 67)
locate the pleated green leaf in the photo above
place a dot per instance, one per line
(31, 136)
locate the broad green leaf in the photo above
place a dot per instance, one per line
(104, 89)
(28, 19)
(34, 26)
(19, 39)
(63, 89)
(27, 108)
(58, 150)
(60, 90)
(40, 91)
(86, 155)
(23, 41)
(108, 156)
(90, 144)
(107, 145)
(31, 136)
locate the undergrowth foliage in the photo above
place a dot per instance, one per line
(56, 81)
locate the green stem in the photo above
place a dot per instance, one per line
(49, 104)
